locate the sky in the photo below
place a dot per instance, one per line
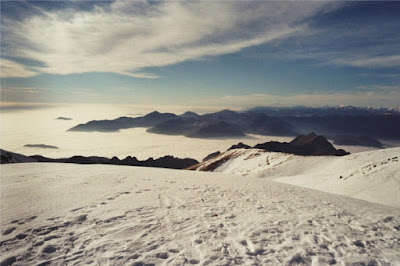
(201, 53)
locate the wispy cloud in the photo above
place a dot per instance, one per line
(126, 37)
(29, 90)
(369, 62)
(11, 69)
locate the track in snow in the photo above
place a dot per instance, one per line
(143, 216)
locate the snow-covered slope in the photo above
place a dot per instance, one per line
(372, 175)
(64, 214)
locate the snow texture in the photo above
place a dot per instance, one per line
(373, 175)
(64, 214)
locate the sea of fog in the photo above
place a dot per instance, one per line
(41, 126)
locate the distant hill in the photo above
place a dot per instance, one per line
(148, 120)
(381, 126)
(163, 162)
(10, 157)
(323, 111)
(382, 123)
(190, 115)
(365, 141)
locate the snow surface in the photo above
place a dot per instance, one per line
(65, 214)
(373, 175)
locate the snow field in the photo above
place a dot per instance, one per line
(64, 214)
(373, 175)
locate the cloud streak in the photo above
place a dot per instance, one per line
(11, 69)
(127, 37)
(370, 62)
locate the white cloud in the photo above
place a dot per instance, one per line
(11, 69)
(128, 36)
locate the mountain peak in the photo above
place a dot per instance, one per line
(154, 113)
(304, 139)
(189, 114)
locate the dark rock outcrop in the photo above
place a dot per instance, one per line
(11, 157)
(310, 144)
(163, 162)
(211, 155)
(240, 145)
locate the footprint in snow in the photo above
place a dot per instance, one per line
(9, 231)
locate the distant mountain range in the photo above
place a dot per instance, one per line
(323, 111)
(310, 144)
(357, 141)
(350, 121)
(222, 124)
(163, 162)
(124, 122)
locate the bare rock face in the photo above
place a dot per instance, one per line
(211, 155)
(310, 144)
(240, 145)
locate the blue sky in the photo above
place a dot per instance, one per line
(230, 54)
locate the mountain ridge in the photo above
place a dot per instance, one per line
(351, 121)
(162, 162)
